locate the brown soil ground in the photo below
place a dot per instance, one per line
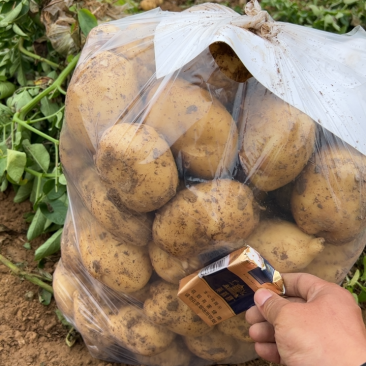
(30, 333)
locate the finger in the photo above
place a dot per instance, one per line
(262, 332)
(269, 304)
(268, 351)
(302, 285)
(253, 315)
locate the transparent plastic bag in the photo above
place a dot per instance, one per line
(171, 170)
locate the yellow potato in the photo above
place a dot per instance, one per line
(245, 351)
(110, 212)
(69, 249)
(170, 268)
(204, 217)
(165, 308)
(133, 330)
(213, 346)
(201, 133)
(334, 262)
(137, 166)
(176, 355)
(91, 321)
(120, 266)
(329, 197)
(236, 327)
(228, 63)
(101, 91)
(64, 285)
(277, 139)
(284, 245)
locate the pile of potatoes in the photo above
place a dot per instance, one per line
(166, 176)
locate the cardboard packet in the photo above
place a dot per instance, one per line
(226, 287)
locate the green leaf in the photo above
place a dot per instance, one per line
(49, 190)
(3, 158)
(73, 8)
(54, 211)
(350, 2)
(354, 278)
(86, 20)
(6, 89)
(12, 15)
(20, 100)
(52, 245)
(15, 164)
(18, 31)
(4, 185)
(45, 297)
(355, 297)
(27, 246)
(38, 153)
(48, 108)
(59, 120)
(23, 192)
(62, 180)
(362, 296)
(62, 319)
(36, 226)
(21, 78)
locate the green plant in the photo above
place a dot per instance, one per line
(333, 16)
(355, 281)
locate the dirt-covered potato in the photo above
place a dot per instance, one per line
(329, 197)
(206, 216)
(64, 285)
(69, 249)
(284, 245)
(98, 95)
(91, 321)
(245, 351)
(140, 52)
(120, 266)
(133, 330)
(165, 308)
(177, 354)
(228, 63)
(276, 139)
(214, 346)
(236, 327)
(200, 131)
(334, 262)
(111, 213)
(170, 268)
(137, 166)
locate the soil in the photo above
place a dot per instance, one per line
(30, 332)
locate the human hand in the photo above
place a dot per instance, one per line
(318, 324)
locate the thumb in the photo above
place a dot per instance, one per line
(269, 304)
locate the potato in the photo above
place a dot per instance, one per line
(170, 268)
(284, 245)
(137, 167)
(176, 355)
(245, 351)
(64, 285)
(140, 52)
(329, 197)
(135, 332)
(276, 139)
(110, 212)
(213, 346)
(334, 262)
(196, 125)
(120, 266)
(97, 38)
(91, 321)
(73, 155)
(69, 249)
(101, 91)
(228, 63)
(165, 308)
(205, 217)
(236, 327)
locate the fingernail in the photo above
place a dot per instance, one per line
(261, 296)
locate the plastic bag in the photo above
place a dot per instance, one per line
(174, 164)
